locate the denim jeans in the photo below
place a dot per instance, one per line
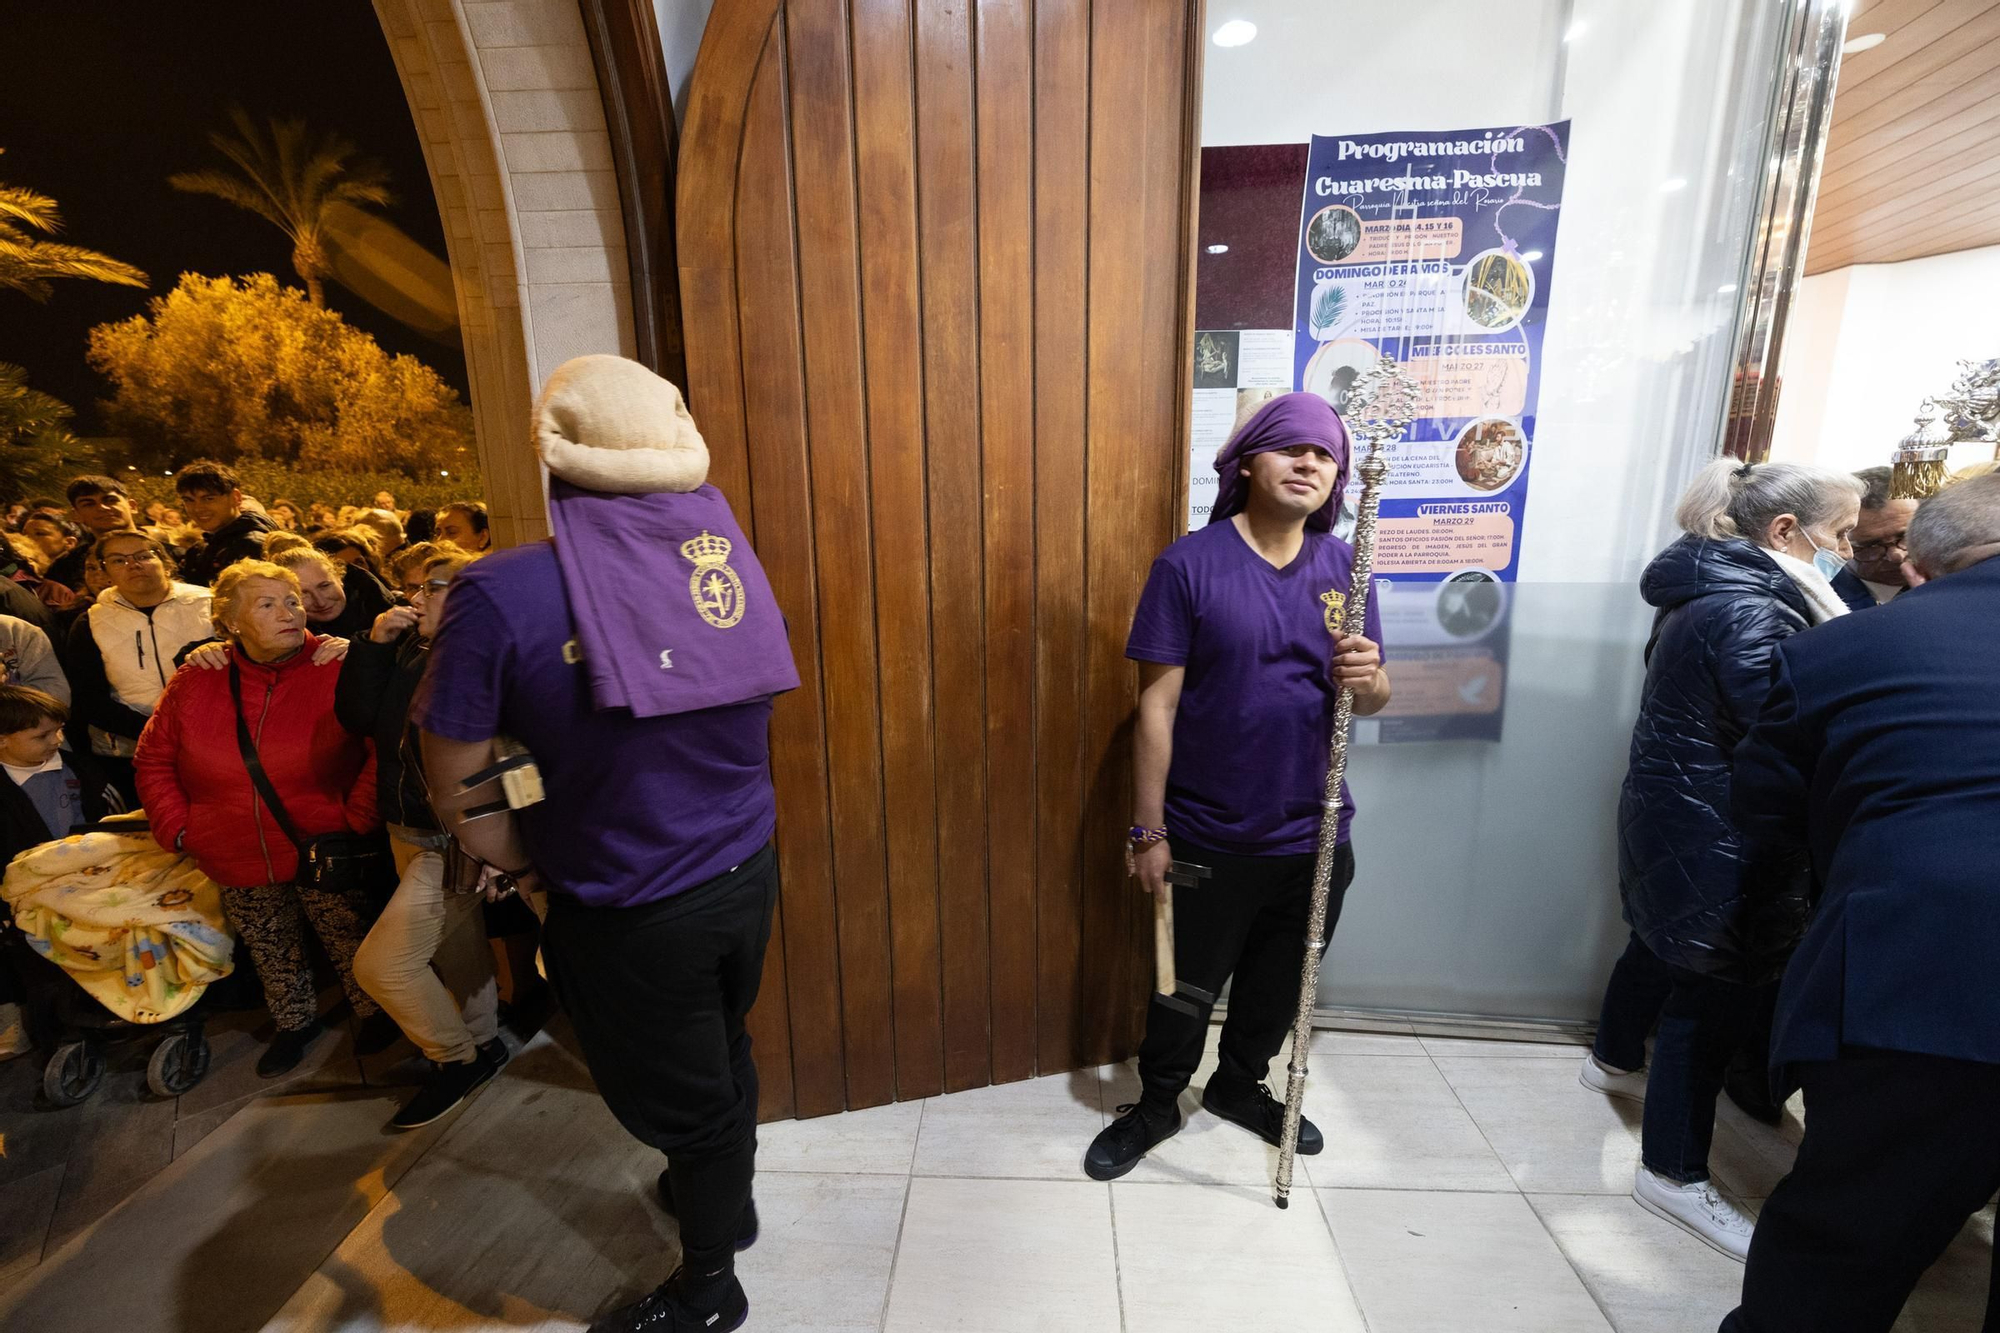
(1633, 999)
(1702, 1024)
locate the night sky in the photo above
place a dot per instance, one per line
(118, 96)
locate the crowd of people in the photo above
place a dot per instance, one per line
(136, 643)
(363, 730)
(1812, 801)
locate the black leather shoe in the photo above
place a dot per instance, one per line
(282, 1056)
(667, 1309)
(445, 1089)
(1261, 1113)
(746, 1230)
(1120, 1144)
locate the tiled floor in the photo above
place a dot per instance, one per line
(1466, 1186)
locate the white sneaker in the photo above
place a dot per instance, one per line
(1611, 1082)
(1697, 1209)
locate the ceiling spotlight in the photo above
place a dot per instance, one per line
(1576, 30)
(1725, 289)
(1218, 249)
(1236, 32)
(1867, 41)
(1532, 256)
(1672, 184)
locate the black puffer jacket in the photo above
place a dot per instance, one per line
(241, 538)
(1682, 869)
(377, 683)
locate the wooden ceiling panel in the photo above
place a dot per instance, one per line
(1952, 91)
(1913, 155)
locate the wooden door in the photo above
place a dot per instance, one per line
(935, 263)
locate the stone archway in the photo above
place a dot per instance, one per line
(505, 98)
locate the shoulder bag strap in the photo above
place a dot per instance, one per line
(258, 777)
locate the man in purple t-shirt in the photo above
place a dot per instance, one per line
(635, 659)
(1240, 665)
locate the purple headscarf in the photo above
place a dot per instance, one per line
(1288, 419)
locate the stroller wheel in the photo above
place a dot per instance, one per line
(72, 1073)
(178, 1064)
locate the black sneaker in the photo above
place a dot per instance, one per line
(447, 1086)
(377, 1033)
(1120, 1144)
(746, 1230)
(667, 1309)
(1259, 1112)
(282, 1056)
(496, 1051)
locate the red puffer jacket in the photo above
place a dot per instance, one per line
(192, 779)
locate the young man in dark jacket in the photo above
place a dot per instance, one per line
(215, 505)
(450, 1013)
(1877, 757)
(98, 506)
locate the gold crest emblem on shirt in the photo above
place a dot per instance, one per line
(1335, 602)
(717, 592)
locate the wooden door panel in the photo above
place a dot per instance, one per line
(935, 271)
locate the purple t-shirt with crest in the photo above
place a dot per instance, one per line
(636, 808)
(1257, 702)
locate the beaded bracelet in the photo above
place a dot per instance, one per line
(1141, 836)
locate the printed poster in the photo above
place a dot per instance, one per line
(1437, 247)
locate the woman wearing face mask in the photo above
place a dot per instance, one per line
(200, 798)
(1761, 544)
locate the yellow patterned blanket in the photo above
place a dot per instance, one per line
(141, 929)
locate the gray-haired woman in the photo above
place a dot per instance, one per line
(1754, 566)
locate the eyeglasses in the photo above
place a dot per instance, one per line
(429, 589)
(1875, 549)
(131, 561)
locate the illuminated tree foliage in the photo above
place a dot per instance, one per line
(244, 368)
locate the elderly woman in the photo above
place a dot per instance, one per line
(451, 1013)
(1755, 566)
(196, 786)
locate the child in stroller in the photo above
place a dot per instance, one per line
(96, 907)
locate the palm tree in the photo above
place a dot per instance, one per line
(290, 180)
(28, 262)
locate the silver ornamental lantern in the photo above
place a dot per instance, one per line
(1380, 407)
(1919, 466)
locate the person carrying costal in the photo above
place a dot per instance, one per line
(1241, 661)
(635, 657)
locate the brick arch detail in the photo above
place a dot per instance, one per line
(505, 98)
